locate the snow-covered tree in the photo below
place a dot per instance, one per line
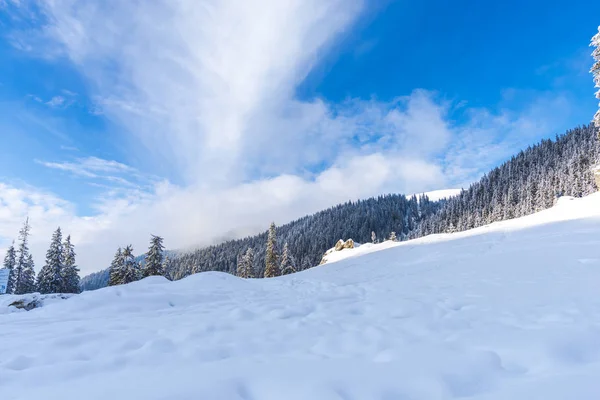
(10, 260)
(596, 73)
(23, 282)
(116, 269)
(70, 272)
(50, 278)
(246, 264)
(271, 265)
(154, 258)
(393, 237)
(131, 270)
(373, 237)
(28, 276)
(286, 262)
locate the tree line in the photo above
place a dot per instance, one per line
(528, 182)
(59, 274)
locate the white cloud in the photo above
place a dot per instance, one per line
(56, 101)
(208, 88)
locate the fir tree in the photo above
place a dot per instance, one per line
(116, 269)
(154, 258)
(246, 264)
(10, 260)
(131, 270)
(22, 281)
(271, 265)
(596, 73)
(50, 278)
(393, 237)
(28, 277)
(70, 272)
(286, 262)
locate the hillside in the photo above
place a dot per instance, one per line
(505, 311)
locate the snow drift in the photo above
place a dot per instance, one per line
(506, 311)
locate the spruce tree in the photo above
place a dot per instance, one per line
(70, 272)
(245, 268)
(50, 278)
(130, 268)
(22, 281)
(116, 269)
(373, 237)
(393, 237)
(154, 258)
(28, 276)
(271, 265)
(596, 73)
(248, 260)
(286, 262)
(10, 260)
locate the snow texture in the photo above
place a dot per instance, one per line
(505, 311)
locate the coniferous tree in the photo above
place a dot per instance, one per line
(271, 265)
(29, 275)
(246, 264)
(286, 262)
(70, 272)
(50, 277)
(10, 260)
(249, 263)
(116, 269)
(596, 73)
(393, 237)
(154, 258)
(22, 282)
(131, 271)
(373, 237)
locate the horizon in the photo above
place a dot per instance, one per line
(234, 117)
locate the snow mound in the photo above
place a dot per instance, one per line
(506, 311)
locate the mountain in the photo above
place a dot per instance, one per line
(530, 181)
(505, 311)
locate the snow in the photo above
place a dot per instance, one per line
(436, 195)
(506, 311)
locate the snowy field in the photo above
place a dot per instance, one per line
(509, 311)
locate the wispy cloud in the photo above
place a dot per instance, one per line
(213, 98)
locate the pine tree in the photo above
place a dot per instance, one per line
(154, 258)
(28, 276)
(116, 269)
(271, 265)
(131, 270)
(286, 262)
(22, 280)
(596, 73)
(50, 278)
(393, 237)
(70, 272)
(245, 267)
(10, 260)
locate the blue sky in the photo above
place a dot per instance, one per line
(206, 120)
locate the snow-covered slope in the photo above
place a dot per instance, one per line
(508, 311)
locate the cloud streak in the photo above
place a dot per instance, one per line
(208, 89)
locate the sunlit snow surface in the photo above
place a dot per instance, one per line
(509, 311)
